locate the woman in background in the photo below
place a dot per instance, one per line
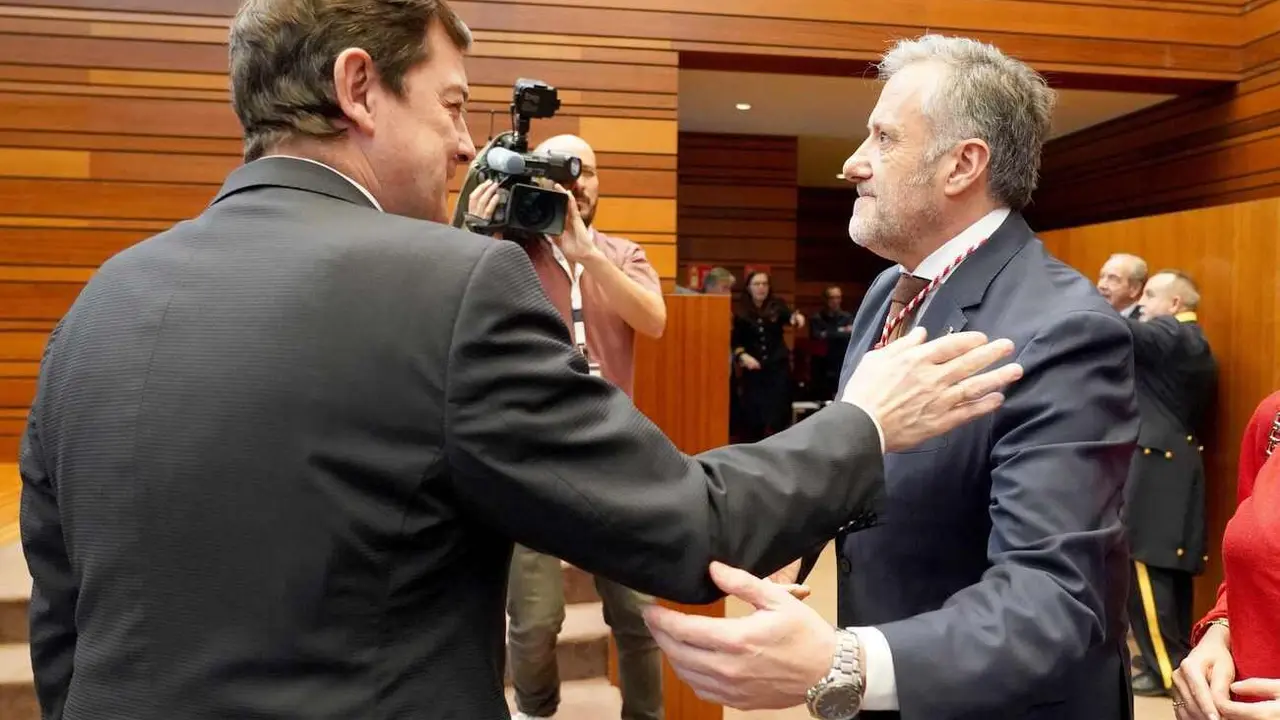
(759, 318)
(1233, 672)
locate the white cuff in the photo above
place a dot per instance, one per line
(874, 421)
(881, 685)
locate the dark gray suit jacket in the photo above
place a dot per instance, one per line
(279, 455)
(998, 571)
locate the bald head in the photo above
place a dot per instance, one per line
(1169, 292)
(587, 189)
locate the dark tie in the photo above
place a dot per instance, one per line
(907, 288)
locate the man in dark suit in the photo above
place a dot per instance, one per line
(1164, 498)
(994, 584)
(830, 326)
(278, 454)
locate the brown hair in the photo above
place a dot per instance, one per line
(283, 52)
(772, 307)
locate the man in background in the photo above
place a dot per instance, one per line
(1176, 378)
(830, 325)
(1120, 281)
(718, 281)
(606, 291)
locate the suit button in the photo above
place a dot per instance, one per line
(845, 565)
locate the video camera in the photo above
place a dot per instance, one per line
(527, 207)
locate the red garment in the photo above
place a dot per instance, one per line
(1251, 555)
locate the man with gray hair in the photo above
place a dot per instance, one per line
(994, 585)
(1120, 282)
(718, 281)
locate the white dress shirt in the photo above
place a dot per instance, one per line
(881, 683)
(359, 187)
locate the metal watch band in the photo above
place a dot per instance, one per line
(845, 663)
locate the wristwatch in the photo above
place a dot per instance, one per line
(838, 696)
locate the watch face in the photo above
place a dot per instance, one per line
(837, 702)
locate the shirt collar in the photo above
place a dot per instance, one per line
(332, 169)
(937, 261)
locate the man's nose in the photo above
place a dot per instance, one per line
(856, 168)
(466, 149)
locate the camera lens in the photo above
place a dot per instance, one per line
(535, 210)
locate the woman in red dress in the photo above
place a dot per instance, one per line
(1233, 673)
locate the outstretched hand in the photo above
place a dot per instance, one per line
(768, 659)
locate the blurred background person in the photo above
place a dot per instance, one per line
(718, 281)
(1175, 375)
(764, 361)
(1236, 658)
(830, 328)
(1121, 281)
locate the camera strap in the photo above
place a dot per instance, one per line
(575, 303)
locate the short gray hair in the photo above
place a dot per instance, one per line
(1137, 266)
(989, 96)
(716, 275)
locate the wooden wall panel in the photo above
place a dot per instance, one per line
(824, 253)
(115, 122)
(1213, 148)
(10, 495)
(682, 385)
(1170, 39)
(737, 205)
(1232, 253)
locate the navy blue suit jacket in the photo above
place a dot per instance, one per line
(999, 568)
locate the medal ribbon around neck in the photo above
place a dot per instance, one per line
(910, 307)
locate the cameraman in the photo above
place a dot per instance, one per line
(606, 291)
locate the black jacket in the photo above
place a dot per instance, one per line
(1165, 495)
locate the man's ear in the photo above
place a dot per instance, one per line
(971, 160)
(354, 79)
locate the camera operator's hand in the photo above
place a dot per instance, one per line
(577, 243)
(483, 202)
(919, 390)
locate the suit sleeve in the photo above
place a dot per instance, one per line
(1061, 449)
(564, 463)
(1153, 340)
(54, 588)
